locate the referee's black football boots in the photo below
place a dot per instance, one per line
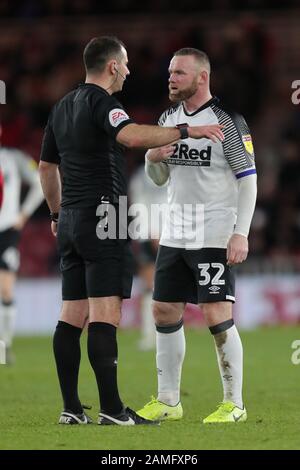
(127, 417)
(68, 417)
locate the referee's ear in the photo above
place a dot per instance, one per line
(112, 67)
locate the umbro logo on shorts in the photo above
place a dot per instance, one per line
(214, 289)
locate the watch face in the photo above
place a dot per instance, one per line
(183, 130)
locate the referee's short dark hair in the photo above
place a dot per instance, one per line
(99, 51)
(200, 56)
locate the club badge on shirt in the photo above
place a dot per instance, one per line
(247, 141)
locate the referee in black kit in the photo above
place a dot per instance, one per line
(82, 164)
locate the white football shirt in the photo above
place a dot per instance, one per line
(18, 168)
(202, 187)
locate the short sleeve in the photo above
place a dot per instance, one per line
(49, 150)
(110, 115)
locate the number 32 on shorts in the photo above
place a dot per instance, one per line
(216, 269)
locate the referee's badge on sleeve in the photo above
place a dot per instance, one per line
(116, 116)
(247, 140)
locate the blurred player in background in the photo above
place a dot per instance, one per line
(221, 177)
(142, 190)
(17, 168)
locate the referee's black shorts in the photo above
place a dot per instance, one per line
(195, 276)
(91, 267)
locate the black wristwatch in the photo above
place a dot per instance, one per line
(54, 216)
(183, 128)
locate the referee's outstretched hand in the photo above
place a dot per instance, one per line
(213, 132)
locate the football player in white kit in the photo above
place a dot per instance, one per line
(17, 168)
(211, 195)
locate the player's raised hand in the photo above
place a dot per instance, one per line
(237, 249)
(213, 132)
(160, 153)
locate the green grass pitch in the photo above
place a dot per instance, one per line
(30, 399)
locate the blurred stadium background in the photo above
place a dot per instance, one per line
(254, 48)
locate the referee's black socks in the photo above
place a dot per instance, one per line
(66, 347)
(103, 355)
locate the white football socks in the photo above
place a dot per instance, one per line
(7, 323)
(230, 359)
(170, 352)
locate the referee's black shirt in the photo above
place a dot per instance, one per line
(80, 137)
